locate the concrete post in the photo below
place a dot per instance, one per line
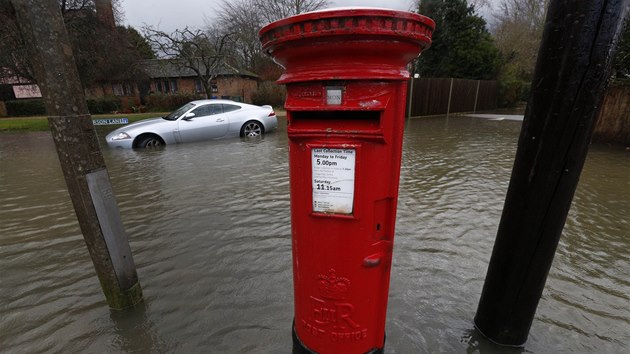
(450, 95)
(410, 97)
(571, 76)
(476, 96)
(78, 149)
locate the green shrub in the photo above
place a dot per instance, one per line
(269, 93)
(6, 93)
(104, 105)
(3, 109)
(510, 93)
(163, 103)
(26, 107)
(526, 91)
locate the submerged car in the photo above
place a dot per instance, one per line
(196, 121)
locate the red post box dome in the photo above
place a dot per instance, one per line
(352, 43)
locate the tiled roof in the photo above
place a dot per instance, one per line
(163, 68)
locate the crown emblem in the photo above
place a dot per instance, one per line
(333, 287)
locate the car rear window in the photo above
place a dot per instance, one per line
(230, 107)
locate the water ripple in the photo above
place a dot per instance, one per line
(209, 226)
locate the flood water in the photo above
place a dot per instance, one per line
(209, 228)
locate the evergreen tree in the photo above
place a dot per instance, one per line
(462, 46)
(138, 43)
(621, 62)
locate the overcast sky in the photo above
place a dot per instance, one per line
(169, 15)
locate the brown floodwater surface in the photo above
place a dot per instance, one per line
(209, 228)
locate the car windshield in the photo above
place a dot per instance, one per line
(178, 112)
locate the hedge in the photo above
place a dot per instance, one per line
(26, 107)
(104, 105)
(163, 103)
(511, 92)
(36, 107)
(269, 93)
(6, 92)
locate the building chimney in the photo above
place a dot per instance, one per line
(105, 13)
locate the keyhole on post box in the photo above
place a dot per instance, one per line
(382, 219)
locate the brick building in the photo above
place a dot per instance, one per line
(161, 76)
(169, 76)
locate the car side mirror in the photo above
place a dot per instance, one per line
(189, 116)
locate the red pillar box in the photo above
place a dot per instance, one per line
(346, 83)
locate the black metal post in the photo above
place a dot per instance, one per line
(571, 76)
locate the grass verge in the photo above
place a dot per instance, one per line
(39, 123)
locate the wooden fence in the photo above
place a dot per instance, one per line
(443, 96)
(613, 123)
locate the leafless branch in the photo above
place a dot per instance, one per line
(203, 52)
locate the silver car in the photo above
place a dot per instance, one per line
(196, 121)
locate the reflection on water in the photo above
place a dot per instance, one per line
(210, 230)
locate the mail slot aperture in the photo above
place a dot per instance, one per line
(336, 121)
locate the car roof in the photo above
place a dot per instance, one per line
(198, 102)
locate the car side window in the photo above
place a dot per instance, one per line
(207, 110)
(200, 111)
(230, 107)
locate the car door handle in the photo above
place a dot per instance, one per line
(220, 120)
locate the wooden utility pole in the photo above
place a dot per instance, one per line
(571, 76)
(79, 153)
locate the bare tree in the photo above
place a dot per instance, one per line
(98, 51)
(203, 52)
(75, 5)
(68, 6)
(13, 53)
(517, 33)
(245, 18)
(532, 12)
(273, 10)
(476, 4)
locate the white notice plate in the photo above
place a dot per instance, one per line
(333, 96)
(333, 180)
(110, 121)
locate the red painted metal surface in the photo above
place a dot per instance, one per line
(346, 87)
